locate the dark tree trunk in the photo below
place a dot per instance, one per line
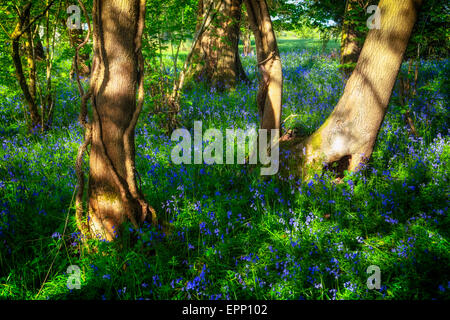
(76, 38)
(38, 48)
(271, 83)
(31, 61)
(348, 135)
(117, 73)
(248, 49)
(216, 55)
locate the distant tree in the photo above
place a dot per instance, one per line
(349, 19)
(430, 38)
(354, 31)
(117, 75)
(75, 39)
(216, 55)
(26, 22)
(269, 97)
(348, 136)
(246, 35)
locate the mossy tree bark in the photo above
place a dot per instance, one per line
(348, 135)
(24, 28)
(354, 31)
(216, 55)
(270, 90)
(114, 196)
(248, 50)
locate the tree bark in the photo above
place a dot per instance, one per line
(270, 90)
(114, 196)
(216, 54)
(348, 135)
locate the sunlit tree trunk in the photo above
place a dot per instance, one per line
(216, 55)
(31, 61)
(246, 36)
(270, 90)
(114, 196)
(350, 48)
(76, 37)
(348, 135)
(248, 50)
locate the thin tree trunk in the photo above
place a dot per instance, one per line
(248, 49)
(38, 48)
(348, 135)
(240, 69)
(76, 37)
(31, 60)
(47, 112)
(270, 90)
(202, 25)
(114, 196)
(29, 91)
(216, 54)
(350, 48)
(406, 92)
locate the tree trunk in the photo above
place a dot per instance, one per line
(270, 90)
(48, 103)
(114, 196)
(38, 48)
(240, 69)
(216, 54)
(28, 90)
(76, 38)
(31, 60)
(348, 135)
(248, 50)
